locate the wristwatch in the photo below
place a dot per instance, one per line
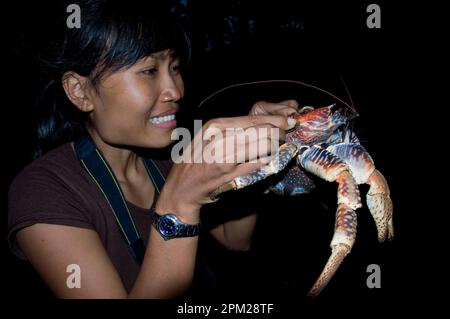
(169, 226)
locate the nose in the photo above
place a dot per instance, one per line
(171, 90)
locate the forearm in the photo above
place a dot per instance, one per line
(168, 267)
(236, 234)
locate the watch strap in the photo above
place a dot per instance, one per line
(183, 229)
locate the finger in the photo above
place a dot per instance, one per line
(249, 121)
(246, 145)
(287, 111)
(225, 141)
(286, 108)
(290, 103)
(253, 151)
(259, 132)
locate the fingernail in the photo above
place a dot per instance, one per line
(291, 122)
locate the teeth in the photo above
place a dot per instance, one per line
(162, 119)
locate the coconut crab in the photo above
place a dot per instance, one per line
(322, 144)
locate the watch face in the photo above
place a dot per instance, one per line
(167, 226)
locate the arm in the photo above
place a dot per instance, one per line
(51, 248)
(168, 266)
(236, 234)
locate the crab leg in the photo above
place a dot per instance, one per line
(341, 244)
(378, 199)
(380, 205)
(329, 167)
(285, 153)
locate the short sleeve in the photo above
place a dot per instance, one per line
(40, 195)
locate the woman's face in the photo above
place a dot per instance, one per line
(137, 106)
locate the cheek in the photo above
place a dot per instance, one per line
(134, 101)
(141, 95)
(180, 85)
(122, 118)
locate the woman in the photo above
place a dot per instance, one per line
(117, 84)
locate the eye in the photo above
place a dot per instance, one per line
(175, 68)
(150, 71)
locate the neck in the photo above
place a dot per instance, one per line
(124, 162)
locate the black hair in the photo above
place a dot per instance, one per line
(114, 34)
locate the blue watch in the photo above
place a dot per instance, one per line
(169, 226)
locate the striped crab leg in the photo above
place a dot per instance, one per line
(285, 154)
(378, 197)
(331, 168)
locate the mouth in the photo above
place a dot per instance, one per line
(164, 120)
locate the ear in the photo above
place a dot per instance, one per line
(78, 90)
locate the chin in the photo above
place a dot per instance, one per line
(159, 140)
(160, 144)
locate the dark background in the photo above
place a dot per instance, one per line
(388, 72)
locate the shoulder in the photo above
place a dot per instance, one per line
(52, 189)
(54, 167)
(55, 163)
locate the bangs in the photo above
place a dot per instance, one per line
(136, 33)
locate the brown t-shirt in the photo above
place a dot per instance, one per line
(56, 189)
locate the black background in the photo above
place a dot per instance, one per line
(391, 77)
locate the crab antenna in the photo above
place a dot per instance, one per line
(277, 81)
(355, 113)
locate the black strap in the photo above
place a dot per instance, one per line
(155, 174)
(102, 174)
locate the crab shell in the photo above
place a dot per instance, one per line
(315, 126)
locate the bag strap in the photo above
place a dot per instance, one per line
(155, 174)
(102, 174)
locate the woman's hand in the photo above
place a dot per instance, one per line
(284, 108)
(230, 141)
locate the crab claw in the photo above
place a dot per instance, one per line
(380, 205)
(341, 244)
